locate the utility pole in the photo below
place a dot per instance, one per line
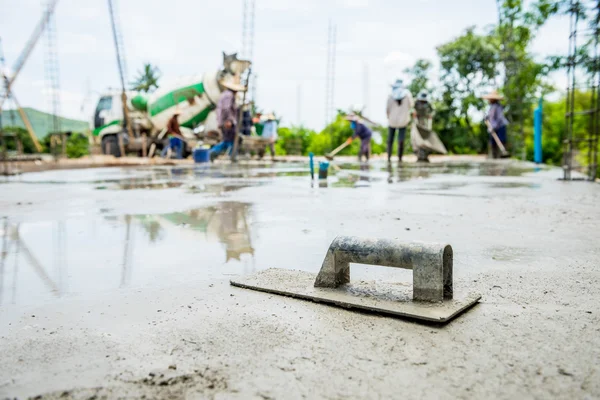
(330, 74)
(120, 52)
(365, 87)
(53, 85)
(248, 41)
(299, 104)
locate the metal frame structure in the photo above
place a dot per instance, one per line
(577, 64)
(248, 42)
(330, 75)
(53, 85)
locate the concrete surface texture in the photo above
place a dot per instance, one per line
(115, 283)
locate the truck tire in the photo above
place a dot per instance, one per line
(110, 146)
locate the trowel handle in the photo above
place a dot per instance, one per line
(431, 263)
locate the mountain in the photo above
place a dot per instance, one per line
(43, 123)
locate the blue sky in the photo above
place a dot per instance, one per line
(187, 37)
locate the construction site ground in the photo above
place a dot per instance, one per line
(114, 282)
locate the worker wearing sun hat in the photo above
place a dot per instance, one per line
(364, 133)
(497, 120)
(227, 115)
(423, 114)
(270, 132)
(399, 104)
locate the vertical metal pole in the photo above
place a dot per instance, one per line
(122, 72)
(234, 150)
(328, 73)
(537, 134)
(570, 103)
(299, 104)
(596, 111)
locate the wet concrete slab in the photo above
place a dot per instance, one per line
(109, 274)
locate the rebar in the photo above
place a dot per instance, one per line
(575, 65)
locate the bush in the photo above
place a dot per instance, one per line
(77, 146)
(23, 135)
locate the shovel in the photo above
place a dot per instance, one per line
(341, 147)
(503, 152)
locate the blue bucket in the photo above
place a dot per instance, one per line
(201, 155)
(323, 168)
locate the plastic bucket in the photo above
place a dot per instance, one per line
(201, 155)
(323, 168)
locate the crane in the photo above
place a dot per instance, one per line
(8, 81)
(8, 94)
(35, 37)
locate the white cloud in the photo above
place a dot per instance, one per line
(352, 3)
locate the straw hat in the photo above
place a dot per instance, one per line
(270, 117)
(494, 95)
(398, 90)
(233, 83)
(423, 96)
(352, 117)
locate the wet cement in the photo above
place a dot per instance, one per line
(110, 275)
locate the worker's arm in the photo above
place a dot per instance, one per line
(388, 107)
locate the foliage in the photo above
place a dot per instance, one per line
(23, 136)
(468, 67)
(523, 84)
(334, 134)
(293, 140)
(77, 146)
(554, 127)
(420, 76)
(147, 79)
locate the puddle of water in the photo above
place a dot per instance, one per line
(42, 261)
(514, 185)
(350, 174)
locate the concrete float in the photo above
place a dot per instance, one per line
(433, 296)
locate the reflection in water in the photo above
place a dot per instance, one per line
(12, 240)
(106, 253)
(226, 221)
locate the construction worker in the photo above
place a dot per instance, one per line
(399, 104)
(269, 131)
(364, 133)
(246, 121)
(497, 120)
(227, 115)
(176, 142)
(423, 114)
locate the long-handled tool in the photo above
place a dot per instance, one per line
(341, 147)
(503, 152)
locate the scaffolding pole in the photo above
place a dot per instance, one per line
(580, 151)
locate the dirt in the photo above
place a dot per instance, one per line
(100, 311)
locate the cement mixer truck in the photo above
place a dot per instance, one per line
(195, 97)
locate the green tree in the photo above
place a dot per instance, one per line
(554, 127)
(147, 79)
(419, 74)
(522, 86)
(468, 67)
(77, 145)
(23, 136)
(293, 140)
